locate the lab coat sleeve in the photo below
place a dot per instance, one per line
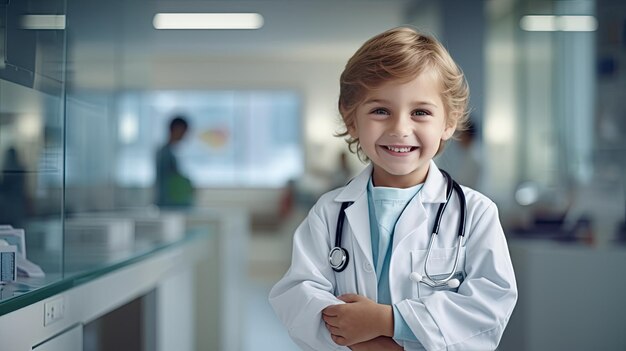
(473, 318)
(307, 288)
(401, 330)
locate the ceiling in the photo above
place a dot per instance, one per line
(315, 29)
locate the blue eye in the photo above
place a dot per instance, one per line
(380, 111)
(421, 113)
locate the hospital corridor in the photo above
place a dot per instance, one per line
(282, 175)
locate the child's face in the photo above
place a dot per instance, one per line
(400, 126)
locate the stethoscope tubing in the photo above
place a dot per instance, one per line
(452, 185)
(434, 283)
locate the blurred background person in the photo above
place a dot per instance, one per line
(173, 189)
(343, 172)
(461, 157)
(14, 197)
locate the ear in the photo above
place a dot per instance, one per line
(448, 131)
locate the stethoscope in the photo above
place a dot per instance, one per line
(339, 258)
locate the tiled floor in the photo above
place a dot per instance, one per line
(269, 257)
(263, 331)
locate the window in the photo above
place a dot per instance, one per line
(235, 138)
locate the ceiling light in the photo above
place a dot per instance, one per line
(43, 22)
(538, 23)
(207, 21)
(578, 23)
(549, 23)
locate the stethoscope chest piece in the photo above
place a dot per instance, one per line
(338, 258)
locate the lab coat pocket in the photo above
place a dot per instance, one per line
(440, 265)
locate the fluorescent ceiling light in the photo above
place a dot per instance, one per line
(538, 23)
(550, 23)
(43, 22)
(578, 23)
(207, 21)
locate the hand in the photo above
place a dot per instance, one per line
(359, 319)
(381, 343)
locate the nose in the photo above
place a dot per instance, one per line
(399, 128)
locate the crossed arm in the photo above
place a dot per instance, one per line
(361, 324)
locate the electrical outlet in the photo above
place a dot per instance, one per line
(53, 310)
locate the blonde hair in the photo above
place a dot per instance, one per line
(400, 54)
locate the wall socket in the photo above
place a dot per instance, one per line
(53, 310)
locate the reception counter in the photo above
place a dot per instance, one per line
(177, 294)
(54, 316)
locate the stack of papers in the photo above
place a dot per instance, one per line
(14, 240)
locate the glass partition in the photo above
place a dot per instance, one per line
(61, 218)
(32, 82)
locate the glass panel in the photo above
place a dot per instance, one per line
(32, 71)
(108, 221)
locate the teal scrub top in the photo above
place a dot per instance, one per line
(385, 207)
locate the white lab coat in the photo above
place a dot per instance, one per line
(472, 318)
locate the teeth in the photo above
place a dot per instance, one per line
(399, 149)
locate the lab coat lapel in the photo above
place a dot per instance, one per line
(415, 215)
(357, 215)
(358, 219)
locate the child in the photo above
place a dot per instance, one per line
(401, 97)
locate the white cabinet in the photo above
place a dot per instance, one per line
(571, 297)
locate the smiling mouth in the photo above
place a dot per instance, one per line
(400, 149)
